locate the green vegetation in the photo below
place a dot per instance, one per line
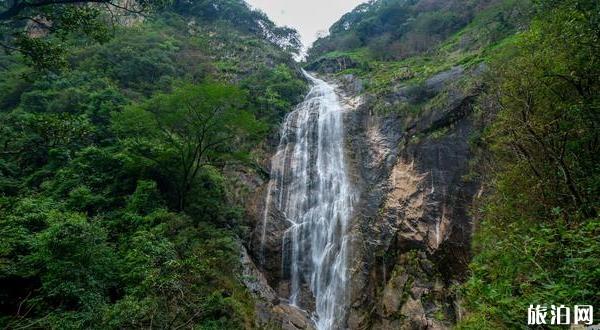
(400, 44)
(538, 241)
(43, 30)
(115, 211)
(187, 130)
(391, 30)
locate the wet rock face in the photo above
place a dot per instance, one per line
(268, 254)
(412, 233)
(271, 312)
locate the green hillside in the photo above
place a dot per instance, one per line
(115, 211)
(405, 42)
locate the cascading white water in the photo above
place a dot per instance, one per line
(310, 185)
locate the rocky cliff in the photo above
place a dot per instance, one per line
(412, 234)
(411, 229)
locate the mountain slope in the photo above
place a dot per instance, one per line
(115, 211)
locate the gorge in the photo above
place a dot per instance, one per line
(429, 165)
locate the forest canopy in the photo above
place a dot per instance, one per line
(116, 133)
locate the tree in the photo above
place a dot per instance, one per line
(537, 240)
(29, 141)
(246, 19)
(14, 8)
(192, 127)
(38, 29)
(548, 100)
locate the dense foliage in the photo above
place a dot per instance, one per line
(42, 30)
(398, 29)
(251, 21)
(115, 211)
(538, 242)
(397, 77)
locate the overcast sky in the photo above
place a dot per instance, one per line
(306, 16)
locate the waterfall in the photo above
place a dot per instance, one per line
(310, 186)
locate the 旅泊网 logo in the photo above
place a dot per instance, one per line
(560, 315)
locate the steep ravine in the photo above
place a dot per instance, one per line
(411, 229)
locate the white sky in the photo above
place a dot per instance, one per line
(306, 16)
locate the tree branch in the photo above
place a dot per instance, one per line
(20, 6)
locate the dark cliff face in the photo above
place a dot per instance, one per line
(412, 230)
(263, 276)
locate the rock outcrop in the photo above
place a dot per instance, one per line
(271, 311)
